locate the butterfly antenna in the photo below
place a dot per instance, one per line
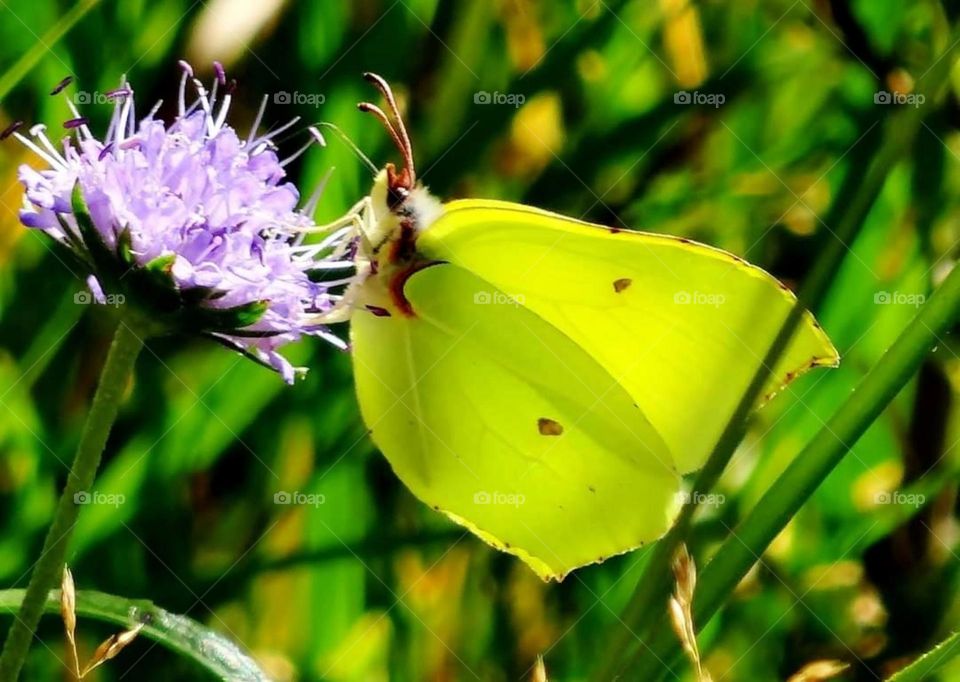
(351, 144)
(369, 108)
(398, 130)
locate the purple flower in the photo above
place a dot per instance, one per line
(187, 220)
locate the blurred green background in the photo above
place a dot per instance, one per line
(735, 124)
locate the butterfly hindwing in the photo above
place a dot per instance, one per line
(491, 415)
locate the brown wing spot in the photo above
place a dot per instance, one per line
(549, 427)
(684, 240)
(614, 230)
(621, 284)
(591, 489)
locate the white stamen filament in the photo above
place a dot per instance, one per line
(114, 119)
(269, 136)
(311, 206)
(132, 120)
(120, 131)
(38, 151)
(182, 97)
(213, 95)
(315, 136)
(256, 121)
(37, 131)
(224, 107)
(204, 102)
(156, 108)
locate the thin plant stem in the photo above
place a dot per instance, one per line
(47, 571)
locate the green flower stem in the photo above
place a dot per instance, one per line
(126, 346)
(646, 607)
(807, 471)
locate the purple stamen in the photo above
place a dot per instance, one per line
(61, 85)
(75, 122)
(221, 74)
(11, 129)
(106, 150)
(122, 91)
(187, 69)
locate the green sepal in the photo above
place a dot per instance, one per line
(225, 320)
(71, 241)
(125, 248)
(195, 295)
(154, 285)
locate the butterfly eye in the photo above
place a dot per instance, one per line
(396, 195)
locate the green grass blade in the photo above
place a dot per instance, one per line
(645, 606)
(930, 662)
(180, 634)
(754, 534)
(29, 59)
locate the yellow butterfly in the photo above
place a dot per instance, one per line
(543, 381)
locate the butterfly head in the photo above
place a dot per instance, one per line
(399, 183)
(402, 206)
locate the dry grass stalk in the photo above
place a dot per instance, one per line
(681, 609)
(68, 613)
(108, 649)
(539, 671)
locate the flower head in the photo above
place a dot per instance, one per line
(187, 220)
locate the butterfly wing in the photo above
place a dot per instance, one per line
(681, 326)
(489, 414)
